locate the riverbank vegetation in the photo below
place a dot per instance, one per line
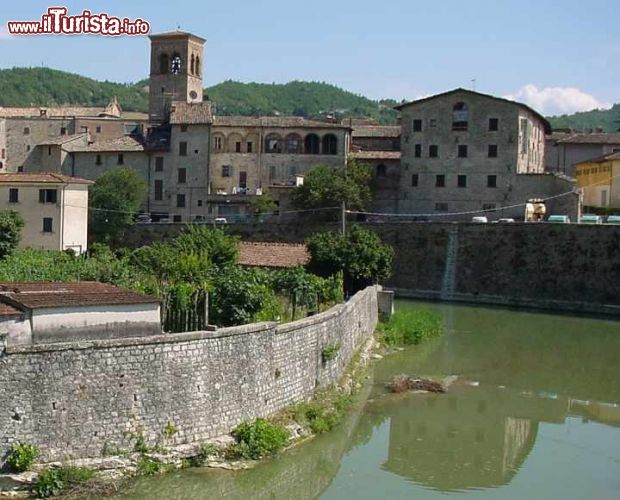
(409, 327)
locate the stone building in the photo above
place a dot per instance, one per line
(567, 149)
(463, 151)
(599, 179)
(54, 208)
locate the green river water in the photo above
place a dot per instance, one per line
(534, 413)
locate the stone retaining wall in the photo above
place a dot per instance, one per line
(83, 399)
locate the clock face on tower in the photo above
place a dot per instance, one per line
(175, 65)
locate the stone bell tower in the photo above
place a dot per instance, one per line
(176, 71)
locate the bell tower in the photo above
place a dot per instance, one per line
(176, 71)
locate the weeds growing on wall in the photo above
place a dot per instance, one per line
(410, 326)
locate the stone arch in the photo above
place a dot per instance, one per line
(293, 143)
(312, 144)
(197, 66)
(273, 143)
(235, 142)
(460, 116)
(330, 144)
(381, 170)
(164, 63)
(176, 64)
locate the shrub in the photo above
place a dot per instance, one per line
(149, 467)
(51, 482)
(170, 430)
(410, 326)
(259, 439)
(324, 412)
(329, 351)
(21, 456)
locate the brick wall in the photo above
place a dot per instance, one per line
(75, 399)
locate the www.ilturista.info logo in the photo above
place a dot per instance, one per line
(57, 22)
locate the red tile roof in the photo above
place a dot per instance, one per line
(124, 143)
(184, 113)
(35, 295)
(8, 310)
(261, 254)
(594, 138)
(41, 178)
(392, 131)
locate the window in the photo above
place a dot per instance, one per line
(243, 180)
(192, 65)
(47, 224)
(492, 150)
(524, 136)
(49, 151)
(488, 206)
(63, 130)
(159, 164)
(3, 153)
(414, 180)
(292, 170)
(47, 195)
(182, 176)
(441, 207)
(176, 218)
(493, 124)
(440, 181)
(272, 172)
(381, 170)
(461, 181)
(20, 168)
(432, 123)
(460, 116)
(491, 181)
(312, 144)
(182, 148)
(98, 129)
(330, 144)
(417, 150)
(433, 151)
(199, 203)
(249, 147)
(272, 144)
(27, 147)
(417, 125)
(121, 159)
(159, 190)
(226, 171)
(163, 63)
(26, 130)
(98, 160)
(237, 147)
(183, 128)
(462, 151)
(13, 195)
(217, 143)
(197, 67)
(180, 201)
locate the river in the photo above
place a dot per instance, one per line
(533, 413)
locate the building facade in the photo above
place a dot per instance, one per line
(464, 152)
(599, 180)
(54, 208)
(567, 150)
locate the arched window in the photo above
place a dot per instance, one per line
(330, 144)
(235, 143)
(312, 144)
(293, 144)
(273, 143)
(460, 116)
(175, 64)
(197, 66)
(219, 142)
(191, 67)
(163, 63)
(381, 170)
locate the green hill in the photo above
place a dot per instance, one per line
(606, 119)
(46, 87)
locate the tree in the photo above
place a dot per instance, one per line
(222, 249)
(262, 204)
(327, 187)
(11, 224)
(114, 200)
(360, 255)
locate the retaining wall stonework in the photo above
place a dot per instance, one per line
(75, 400)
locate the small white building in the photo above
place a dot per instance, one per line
(43, 312)
(54, 208)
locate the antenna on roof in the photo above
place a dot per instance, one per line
(473, 84)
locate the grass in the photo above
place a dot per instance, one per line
(324, 412)
(54, 481)
(410, 327)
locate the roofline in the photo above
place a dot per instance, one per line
(546, 123)
(600, 159)
(58, 180)
(177, 34)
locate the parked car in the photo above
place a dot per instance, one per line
(505, 220)
(561, 219)
(164, 220)
(221, 220)
(143, 219)
(479, 219)
(613, 219)
(591, 219)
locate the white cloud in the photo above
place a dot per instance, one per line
(556, 100)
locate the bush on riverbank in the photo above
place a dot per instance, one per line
(323, 412)
(54, 481)
(21, 456)
(258, 439)
(410, 326)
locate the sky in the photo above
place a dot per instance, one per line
(558, 57)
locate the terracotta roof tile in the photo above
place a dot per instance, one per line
(608, 138)
(53, 112)
(62, 139)
(41, 178)
(260, 254)
(124, 143)
(191, 113)
(376, 131)
(34, 295)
